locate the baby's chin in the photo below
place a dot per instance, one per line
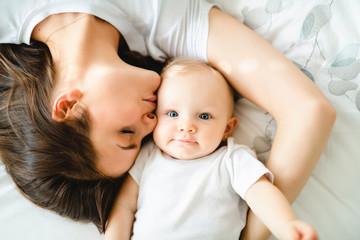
(186, 155)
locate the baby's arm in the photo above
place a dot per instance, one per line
(271, 206)
(122, 216)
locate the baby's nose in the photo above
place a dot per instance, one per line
(187, 127)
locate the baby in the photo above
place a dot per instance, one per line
(196, 182)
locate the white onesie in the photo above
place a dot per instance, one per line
(194, 199)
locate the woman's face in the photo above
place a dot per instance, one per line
(120, 101)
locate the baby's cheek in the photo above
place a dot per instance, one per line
(159, 134)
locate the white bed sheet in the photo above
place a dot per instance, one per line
(22, 220)
(322, 37)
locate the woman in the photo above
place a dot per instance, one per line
(74, 114)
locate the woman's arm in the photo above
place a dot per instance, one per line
(270, 205)
(267, 78)
(122, 216)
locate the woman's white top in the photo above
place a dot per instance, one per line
(156, 28)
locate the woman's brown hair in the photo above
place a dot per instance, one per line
(52, 163)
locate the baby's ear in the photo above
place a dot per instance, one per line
(64, 107)
(230, 126)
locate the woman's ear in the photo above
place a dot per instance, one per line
(64, 105)
(232, 123)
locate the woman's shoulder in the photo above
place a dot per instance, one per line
(13, 14)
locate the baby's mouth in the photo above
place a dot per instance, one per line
(185, 140)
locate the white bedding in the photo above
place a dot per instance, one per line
(322, 37)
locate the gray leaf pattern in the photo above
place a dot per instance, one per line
(347, 55)
(357, 100)
(315, 20)
(345, 65)
(343, 69)
(306, 72)
(274, 6)
(258, 17)
(255, 18)
(348, 72)
(339, 88)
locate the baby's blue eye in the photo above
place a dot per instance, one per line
(172, 114)
(205, 116)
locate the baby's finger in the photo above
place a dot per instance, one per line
(307, 231)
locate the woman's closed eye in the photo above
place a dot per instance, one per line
(126, 131)
(127, 134)
(129, 147)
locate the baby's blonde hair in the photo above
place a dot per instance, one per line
(183, 65)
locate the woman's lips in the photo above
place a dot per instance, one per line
(151, 100)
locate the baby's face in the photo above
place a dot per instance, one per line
(193, 112)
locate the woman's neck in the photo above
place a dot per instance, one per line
(75, 41)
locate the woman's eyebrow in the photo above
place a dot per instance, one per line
(131, 146)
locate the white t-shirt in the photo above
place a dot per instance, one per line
(157, 28)
(194, 199)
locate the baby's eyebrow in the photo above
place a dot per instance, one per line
(131, 146)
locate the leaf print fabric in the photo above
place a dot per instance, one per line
(315, 20)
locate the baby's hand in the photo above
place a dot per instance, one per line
(298, 230)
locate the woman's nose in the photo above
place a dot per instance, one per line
(149, 120)
(153, 80)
